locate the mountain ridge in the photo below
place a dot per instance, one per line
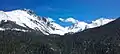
(28, 19)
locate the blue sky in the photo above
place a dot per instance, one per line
(78, 9)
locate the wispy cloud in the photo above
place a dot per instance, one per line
(70, 19)
(44, 8)
(52, 9)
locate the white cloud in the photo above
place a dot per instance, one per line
(61, 19)
(72, 20)
(50, 19)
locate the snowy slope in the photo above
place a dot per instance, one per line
(24, 19)
(80, 26)
(27, 18)
(99, 22)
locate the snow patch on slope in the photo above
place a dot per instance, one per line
(3, 29)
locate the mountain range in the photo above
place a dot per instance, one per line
(23, 32)
(28, 19)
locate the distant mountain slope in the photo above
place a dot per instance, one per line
(100, 40)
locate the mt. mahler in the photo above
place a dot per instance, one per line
(28, 19)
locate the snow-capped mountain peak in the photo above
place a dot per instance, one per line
(28, 19)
